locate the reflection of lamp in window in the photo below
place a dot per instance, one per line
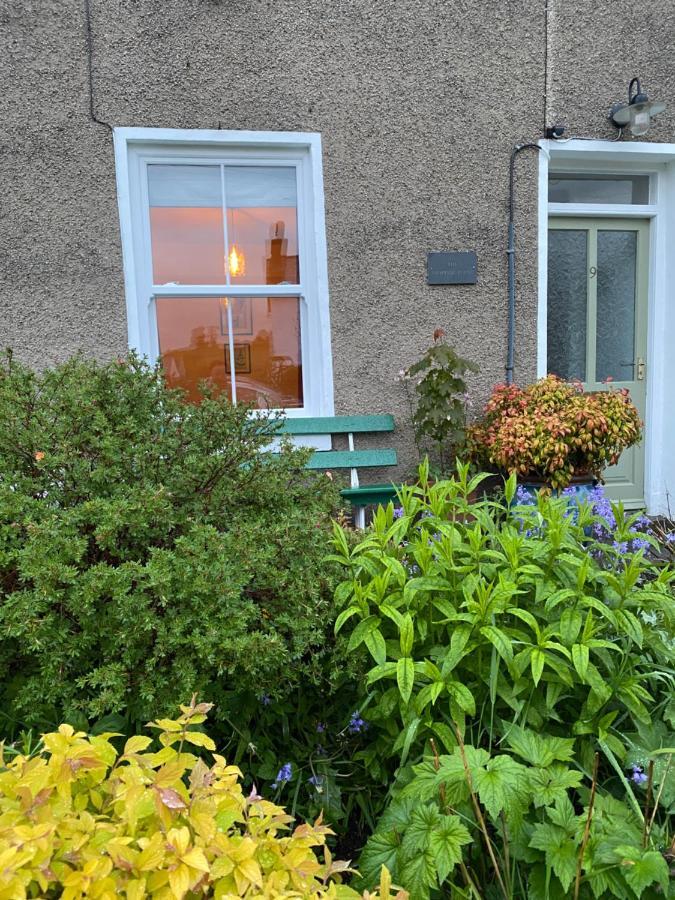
(236, 262)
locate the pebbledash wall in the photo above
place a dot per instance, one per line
(418, 102)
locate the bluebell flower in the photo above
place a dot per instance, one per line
(620, 546)
(525, 497)
(316, 780)
(320, 727)
(284, 774)
(356, 723)
(265, 699)
(638, 775)
(398, 512)
(670, 538)
(640, 544)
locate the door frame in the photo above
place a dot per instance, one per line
(657, 161)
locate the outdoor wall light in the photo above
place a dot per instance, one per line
(637, 113)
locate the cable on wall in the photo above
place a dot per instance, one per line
(90, 67)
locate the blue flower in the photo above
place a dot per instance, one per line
(316, 780)
(356, 723)
(265, 699)
(620, 546)
(670, 538)
(638, 775)
(525, 497)
(398, 512)
(640, 544)
(284, 774)
(320, 727)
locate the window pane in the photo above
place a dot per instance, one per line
(186, 224)
(262, 224)
(567, 303)
(615, 336)
(567, 188)
(194, 339)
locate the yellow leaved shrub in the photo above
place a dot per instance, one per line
(81, 820)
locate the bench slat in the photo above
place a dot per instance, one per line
(351, 459)
(336, 424)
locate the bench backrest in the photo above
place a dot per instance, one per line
(350, 425)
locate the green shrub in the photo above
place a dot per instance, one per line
(81, 819)
(148, 549)
(520, 701)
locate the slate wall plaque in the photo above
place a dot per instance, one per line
(452, 268)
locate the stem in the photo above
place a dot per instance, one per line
(658, 795)
(479, 814)
(587, 827)
(648, 799)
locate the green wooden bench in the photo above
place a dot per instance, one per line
(358, 495)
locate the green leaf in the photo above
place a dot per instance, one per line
(426, 583)
(458, 641)
(537, 660)
(539, 749)
(446, 844)
(419, 875)
(642, 868)
(551, 784)
(580, 657)
(365, 627)
(382, 849)
(388, 670)
(502, 784)
(560, 850)
(344, 616)
(407, 634)
(376, 646)
(499, 641)
(409, 736)
(405, 677)
(570, 625)
(462, 696)
(417, 836)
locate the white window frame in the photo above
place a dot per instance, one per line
(639, 158)
(135, 148)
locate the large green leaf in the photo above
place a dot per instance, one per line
(446, 844)
(382, 849)
(539, 749)
(365, 627)
(405, 677)
(418, 875)
(551, 784)
(503, 783)
(560, 850)
(642, 868)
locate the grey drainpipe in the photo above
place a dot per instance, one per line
(511, 254)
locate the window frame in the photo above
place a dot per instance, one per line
(136, 148)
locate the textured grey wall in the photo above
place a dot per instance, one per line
(419, 103)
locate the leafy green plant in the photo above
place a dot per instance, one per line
(439, 409)
(149, 548)
(552, 430)
(81, 819)
(518, 651)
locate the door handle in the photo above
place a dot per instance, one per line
(638, 366)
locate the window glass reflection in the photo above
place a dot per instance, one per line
(253, 341)
(262, 224)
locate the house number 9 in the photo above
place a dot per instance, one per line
(593, 271)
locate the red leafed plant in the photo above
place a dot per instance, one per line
(553, 430)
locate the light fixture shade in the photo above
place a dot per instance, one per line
(637, 113)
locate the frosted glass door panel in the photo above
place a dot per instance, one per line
(567, 303)
(615, 330)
